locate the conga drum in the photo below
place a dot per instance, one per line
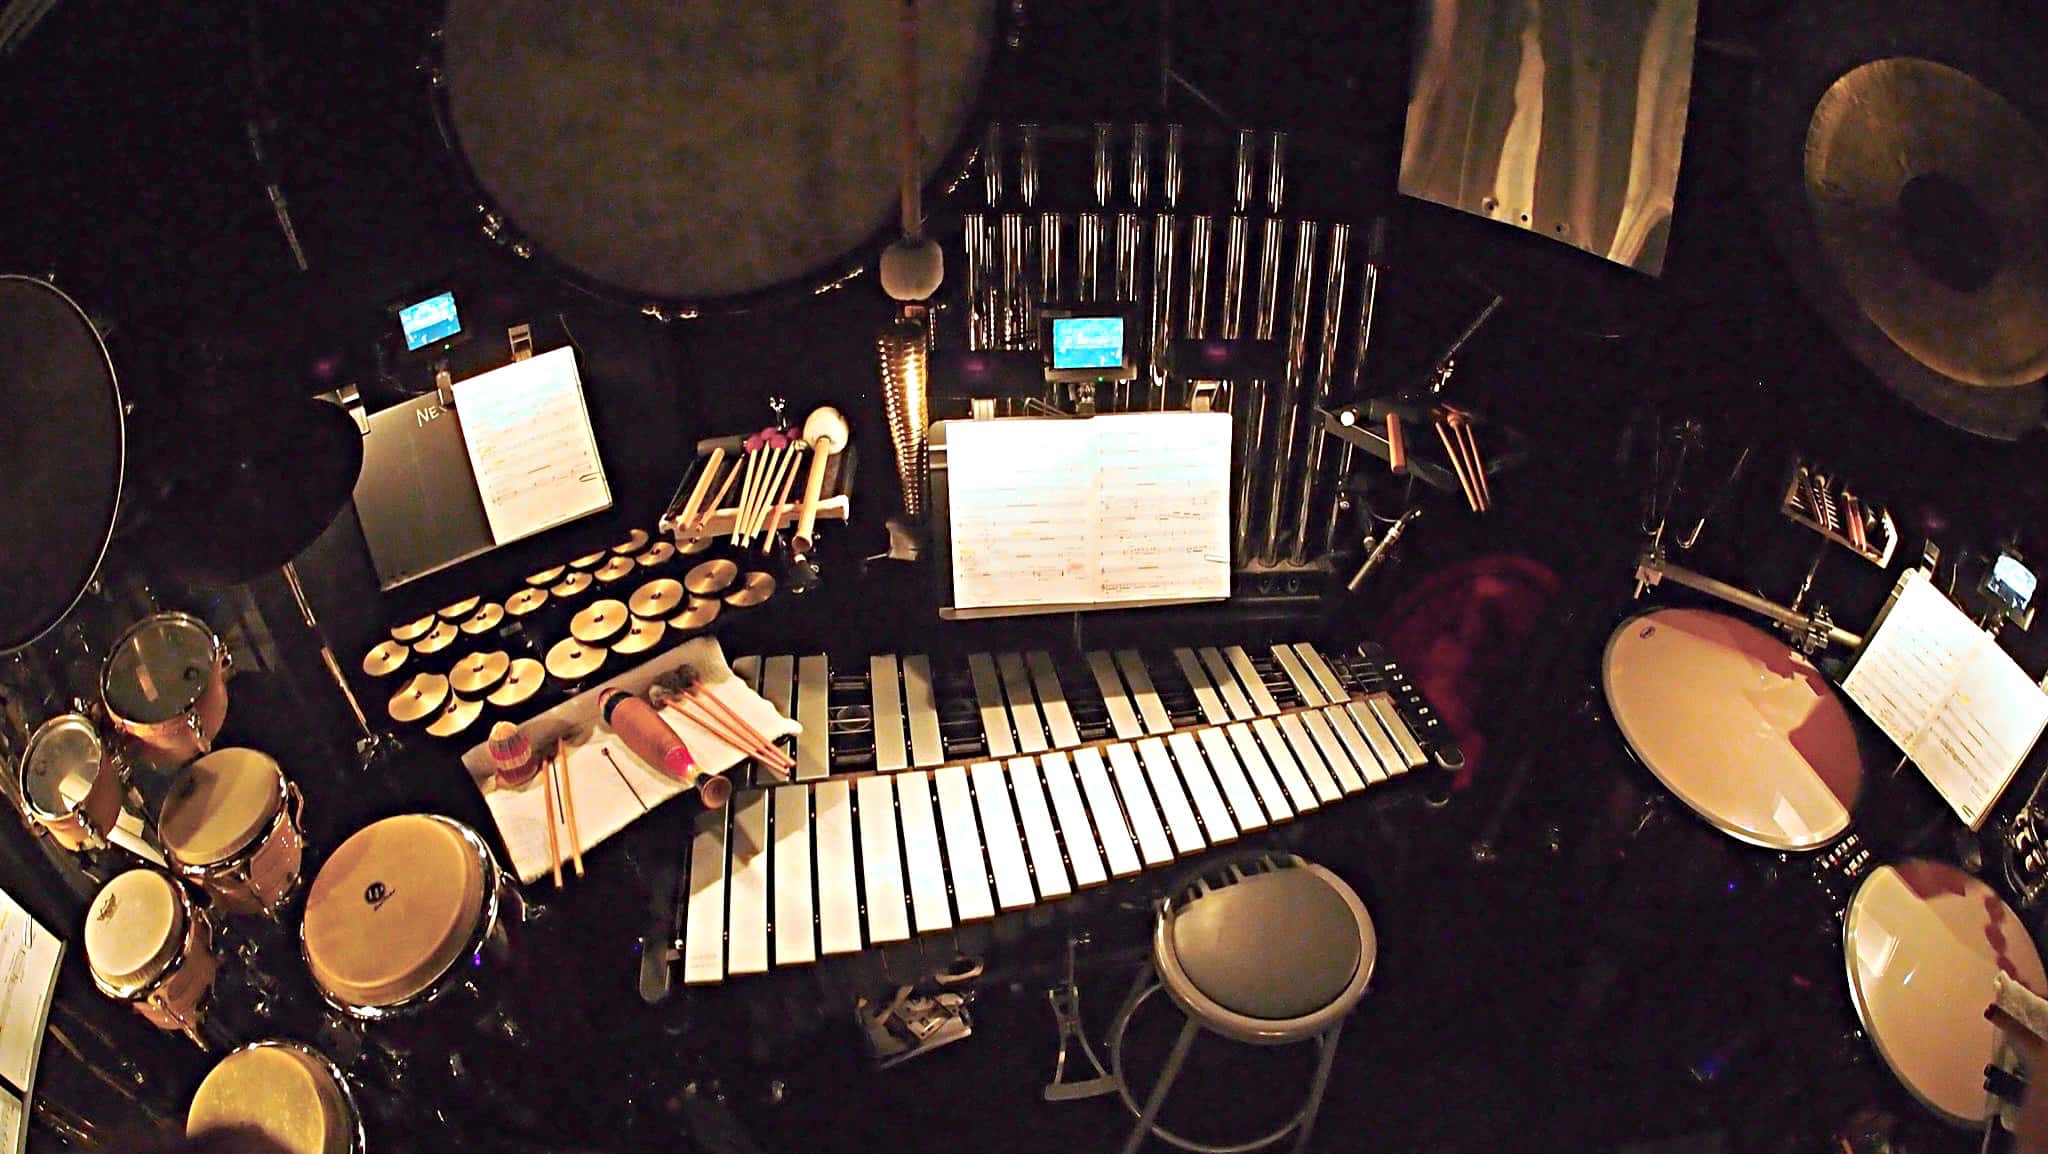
(164, 686)
(289, 1093)
(148, 945)
(70, 782)
(1923, 941)
(231, 825)
(407, 912)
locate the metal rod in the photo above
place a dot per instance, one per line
(1093, 223)
(975, 233)
(1652, 568)
(1016, 299)
(1236, 250)
(1276, 170)
(1250, 411)
(355, 708)
(1288, 404)
(1201, 238)
(1325, 374)
(1049, 223)
(1368, 297)
(1165, 238)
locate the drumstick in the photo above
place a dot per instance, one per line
(779, 482)
(1457, 466)
(753, 461)
(771, 458)
(781, 500)
(547, 793)
(704, 515)
(701, 692)
(569, 804)
(704, 479)
(1461, 424)
(1397, 444)
(768, 756)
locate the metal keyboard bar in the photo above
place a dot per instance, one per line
(881, 863)
(1304, 750)
(1173, 798)
(1234, 699)
(1206, 697)
(747, 882)
(1059, 720)
(1024, 716)
(921, 860)
(838, 889)
(999, 834)
(1143, 695)
(1254, 685)
(704, 917)
(1244, 806)
(1040, 837)
(796, 937)
(965, 867)
(750, 772)
(1389, 715)
(886, 693)
(927, 747)
(1271, 748)
(1311, 693)
(1123, 720)
(778, 685)
(1317, 722)
(1083, 855)
(1145, 822)
(813, 713)
(988, 697)
(1201, 783)
(1119, 847)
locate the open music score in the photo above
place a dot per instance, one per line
(1052, 515)
(530, 445)
(1957, 704)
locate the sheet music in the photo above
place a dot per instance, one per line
(530, 445)
(1943, 690)
(13, 1123)
(1129, 507)
(29, 957)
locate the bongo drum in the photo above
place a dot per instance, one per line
(1922, 941)
(1744, 731)
(405, 912)
(70, 782)
(165, 688)
(233, 826)
(290, 1093)
(147, 944)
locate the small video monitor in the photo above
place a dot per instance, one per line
(2011, 583)
(429, 321)
(1088, 345)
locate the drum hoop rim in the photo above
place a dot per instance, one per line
(21, 772)
(138, 989)
(1721, 825)
(358, 1141)
(120, 461)
(486, 926)
(178, 617)
(1862, 1006)
(955, 167)
(242, 854)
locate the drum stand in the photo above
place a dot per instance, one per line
(372, 747)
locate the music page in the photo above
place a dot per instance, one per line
(1116, 509)
(29, 958)
(1958, 705)
(530, 444)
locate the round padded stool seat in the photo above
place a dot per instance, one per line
(1275, 945)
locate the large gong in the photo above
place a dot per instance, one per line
(703, 153)
(62, 453)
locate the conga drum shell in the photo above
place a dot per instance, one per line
(1744, 731)
(1923, 941)
(69, 782)
(393, 908)
(291, 1095)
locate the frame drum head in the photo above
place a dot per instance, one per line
(1922, 941)
(1740, 728)
(134, 929)
(703, 151)
(159, 668)
(64, 439)
(392, 909)
(220, 804)
(280, 1089)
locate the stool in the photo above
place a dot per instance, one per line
(1265, 949)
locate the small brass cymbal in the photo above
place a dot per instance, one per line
(546, 577)
(615, 570)
(702, 611)
(460, 609)
(443, 635)
(412, 631)
(525, 601)
(485, 619)
(692, 545)
(753, 589)
(599, 622)
(476, 674)
(657, 599)
(384, 659)
(641, 636)
(571, 660)
(659, 553)
(571, 586)
(418, 698)
(588, 561)
(711, 577)
(456, 717)
(522, 681)
(633, 543)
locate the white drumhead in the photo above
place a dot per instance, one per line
(221, 803)
(61, 764)
(1736, 725)
(134, 927)
(1923, 942)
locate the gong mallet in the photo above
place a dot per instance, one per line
(825, 431)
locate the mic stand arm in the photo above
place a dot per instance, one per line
(1811, 632)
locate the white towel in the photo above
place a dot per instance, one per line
(613, 791)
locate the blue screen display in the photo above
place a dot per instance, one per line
(1087, 342)
(429, 321)
(2012, 582)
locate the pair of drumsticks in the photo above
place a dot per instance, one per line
(696, 701)
(556, 766)
(1461, 445)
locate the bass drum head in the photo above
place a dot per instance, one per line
(703, 152)
(64, 439)
(285, 1091)
(1923, 942)
(1744, 731)
(393, 908)
(220, 804)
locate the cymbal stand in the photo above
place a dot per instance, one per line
(371, 746)
(1811, 632)
(1066, 1011)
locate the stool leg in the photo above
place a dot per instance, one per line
(1324, 1061)
(1157, 1098)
